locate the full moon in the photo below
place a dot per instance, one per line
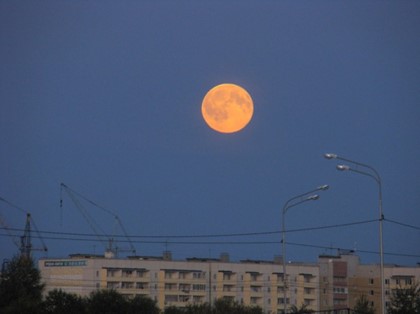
(227, 108)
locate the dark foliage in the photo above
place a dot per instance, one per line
(220, 306)
(142, 305)
(106, 302)
(363, 307)
(60, 302)
(20, 287)
(405, 300)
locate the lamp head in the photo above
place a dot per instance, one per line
(343, 167)
(313, 197)
(323, 187)
(330, 156)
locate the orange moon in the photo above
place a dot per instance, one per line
(227, 108)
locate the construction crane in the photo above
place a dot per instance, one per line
(103, 237)
(25, 243)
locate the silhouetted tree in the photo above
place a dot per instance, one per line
(405, 300)
(220, 306)
(142, 305)
(107, 302)
(223, 306)
(300, 310)
(362, 306)
(20, 287)
(174, 310)
(60, 302)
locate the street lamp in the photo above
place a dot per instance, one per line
(292, 202)
(374, 175)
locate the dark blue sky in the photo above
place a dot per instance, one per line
(105, 96)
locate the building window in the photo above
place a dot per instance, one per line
(254, 276)
(198, 275)
(111, 272)
(371, 281)
(141, 285)
(340, 290)
(307, 278)
(408, 281)
(171, 298)
(281, 301)
(197, 287)
(255, 288)
(371, 292)
(170, 286)
(254, 300)
(127, 273)
(113, 285)
(140, 273)
(387, 281)
(227, 288)
(184, 287)
(308, 290)
(127, 285)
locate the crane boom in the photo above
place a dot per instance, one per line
(75, 196)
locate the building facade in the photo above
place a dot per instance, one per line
(191, 281)
(335, 283)
(343, 280)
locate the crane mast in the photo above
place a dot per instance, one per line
(25, 240)
(25, 244)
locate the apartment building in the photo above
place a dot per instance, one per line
(194, 280)
(335, 283)
(343, 280)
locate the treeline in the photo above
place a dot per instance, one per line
(112, 302)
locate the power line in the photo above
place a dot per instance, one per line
(402, 224)
(228, 243)
(243, 234)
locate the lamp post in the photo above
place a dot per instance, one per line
(374, 175)
(294, 201)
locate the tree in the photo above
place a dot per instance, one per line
(174, 310)
(60, 302)
(300, 310)
(226, 306)
(20, 287)
(405, 300)
(107, 302)
(140, 305)
(362, 306)
(220, 306)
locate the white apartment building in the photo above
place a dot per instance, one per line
(194, 280)
(333, 284)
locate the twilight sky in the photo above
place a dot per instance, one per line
(105, 96)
